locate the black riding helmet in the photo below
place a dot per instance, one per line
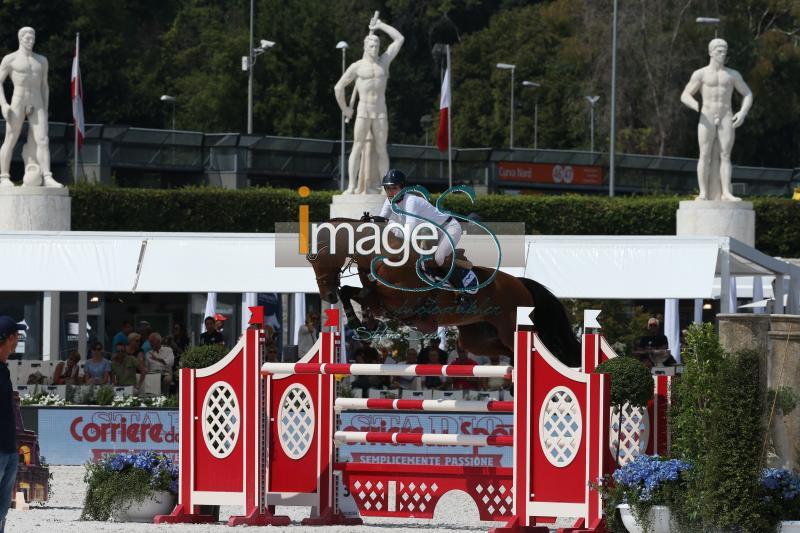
(394, 177)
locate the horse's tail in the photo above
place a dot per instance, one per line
(552, 324)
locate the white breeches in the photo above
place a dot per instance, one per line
(453, 228)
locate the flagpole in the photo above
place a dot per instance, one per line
(449, 121)
(75, 119)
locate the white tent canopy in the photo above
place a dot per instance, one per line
(652, 267)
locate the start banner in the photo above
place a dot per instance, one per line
(547, 173)
(74, 436)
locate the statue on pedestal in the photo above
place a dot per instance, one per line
(28, 72)
(715, 129)
(371, 130)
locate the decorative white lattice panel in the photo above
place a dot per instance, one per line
(221, 420)
(497, 497)
(634, 432)
(560, 427)
(296, 421)
(416, 497)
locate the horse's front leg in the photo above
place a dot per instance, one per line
(347, 293)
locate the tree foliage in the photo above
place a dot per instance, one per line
(132, 52)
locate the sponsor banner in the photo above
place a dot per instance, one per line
(547, 173)
(74, 436)
(491, 424)
(422, 454)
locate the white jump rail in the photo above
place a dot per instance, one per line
(345, 404)
(358, 369)
(437, 439)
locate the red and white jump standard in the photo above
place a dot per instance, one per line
(257, 443)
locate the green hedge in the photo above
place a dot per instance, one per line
(254, 210)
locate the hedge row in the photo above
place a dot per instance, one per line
(254, 210)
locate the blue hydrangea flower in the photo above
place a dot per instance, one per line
(646, 474)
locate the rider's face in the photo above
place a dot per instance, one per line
(391, 190)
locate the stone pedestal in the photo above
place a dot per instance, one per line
(354, 205)
(710, 218)
(35, 209)
(784, 370)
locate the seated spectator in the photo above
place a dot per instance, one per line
(124, 367)
(360, 382)
(144, 331)
(408, 382)
(653, 343)
(161, 360)
(432, 354)
(68, 372)
(498, 383)
(122, 335)
(461, 383)
(307, 333)
(178, 341)
(97, 370)
(211, 335)
(134, 347)
(272, 353)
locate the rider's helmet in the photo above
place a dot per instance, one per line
(394, 177)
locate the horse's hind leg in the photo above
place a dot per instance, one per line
(478, 339)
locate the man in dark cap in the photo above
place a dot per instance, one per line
(9, 455)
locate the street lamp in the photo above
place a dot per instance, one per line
(709, 20)
(425, 122)
(535, 85)
(507, 66)
(170, 100)
(342, 45)
(592, 100)
(248, 62)
(612, 149)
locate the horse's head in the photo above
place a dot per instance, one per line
(327, 266)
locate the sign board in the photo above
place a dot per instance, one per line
(74, 436)
(551, 174)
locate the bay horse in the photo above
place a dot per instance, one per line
(485, 328)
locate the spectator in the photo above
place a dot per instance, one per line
(272, 353)
(178, 341)
(219, 322)
(134, 347)
(307, 333)
(124, 367)
(432, 354)
(498, 383)
(654, 341)
(122, 335)
(360, 382)
(68, 372)
(97, 370)
(161, 360)
(461, 383)
(211, 335)
(9, 454)
(408, 382)
(145, 330)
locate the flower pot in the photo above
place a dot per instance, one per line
(160, 502)
(789, 527)
(659, 519)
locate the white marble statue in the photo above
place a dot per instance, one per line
(370, 73)
(717, 122)
(28, 72)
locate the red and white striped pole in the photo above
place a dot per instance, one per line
(343, 404)
(443, 439)
(357, 369)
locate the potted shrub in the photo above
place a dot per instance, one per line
(131, 487)
(782, 494)
(642, 491)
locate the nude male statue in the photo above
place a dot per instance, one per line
(715, 130)
(30, 100)
(370, 74)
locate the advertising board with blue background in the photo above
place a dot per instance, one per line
(74, 436)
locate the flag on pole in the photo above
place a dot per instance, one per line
(443, 139)
(76, 93)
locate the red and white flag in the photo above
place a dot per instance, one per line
(76, 93)
(443, 139)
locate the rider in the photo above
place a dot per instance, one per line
(393, 182)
